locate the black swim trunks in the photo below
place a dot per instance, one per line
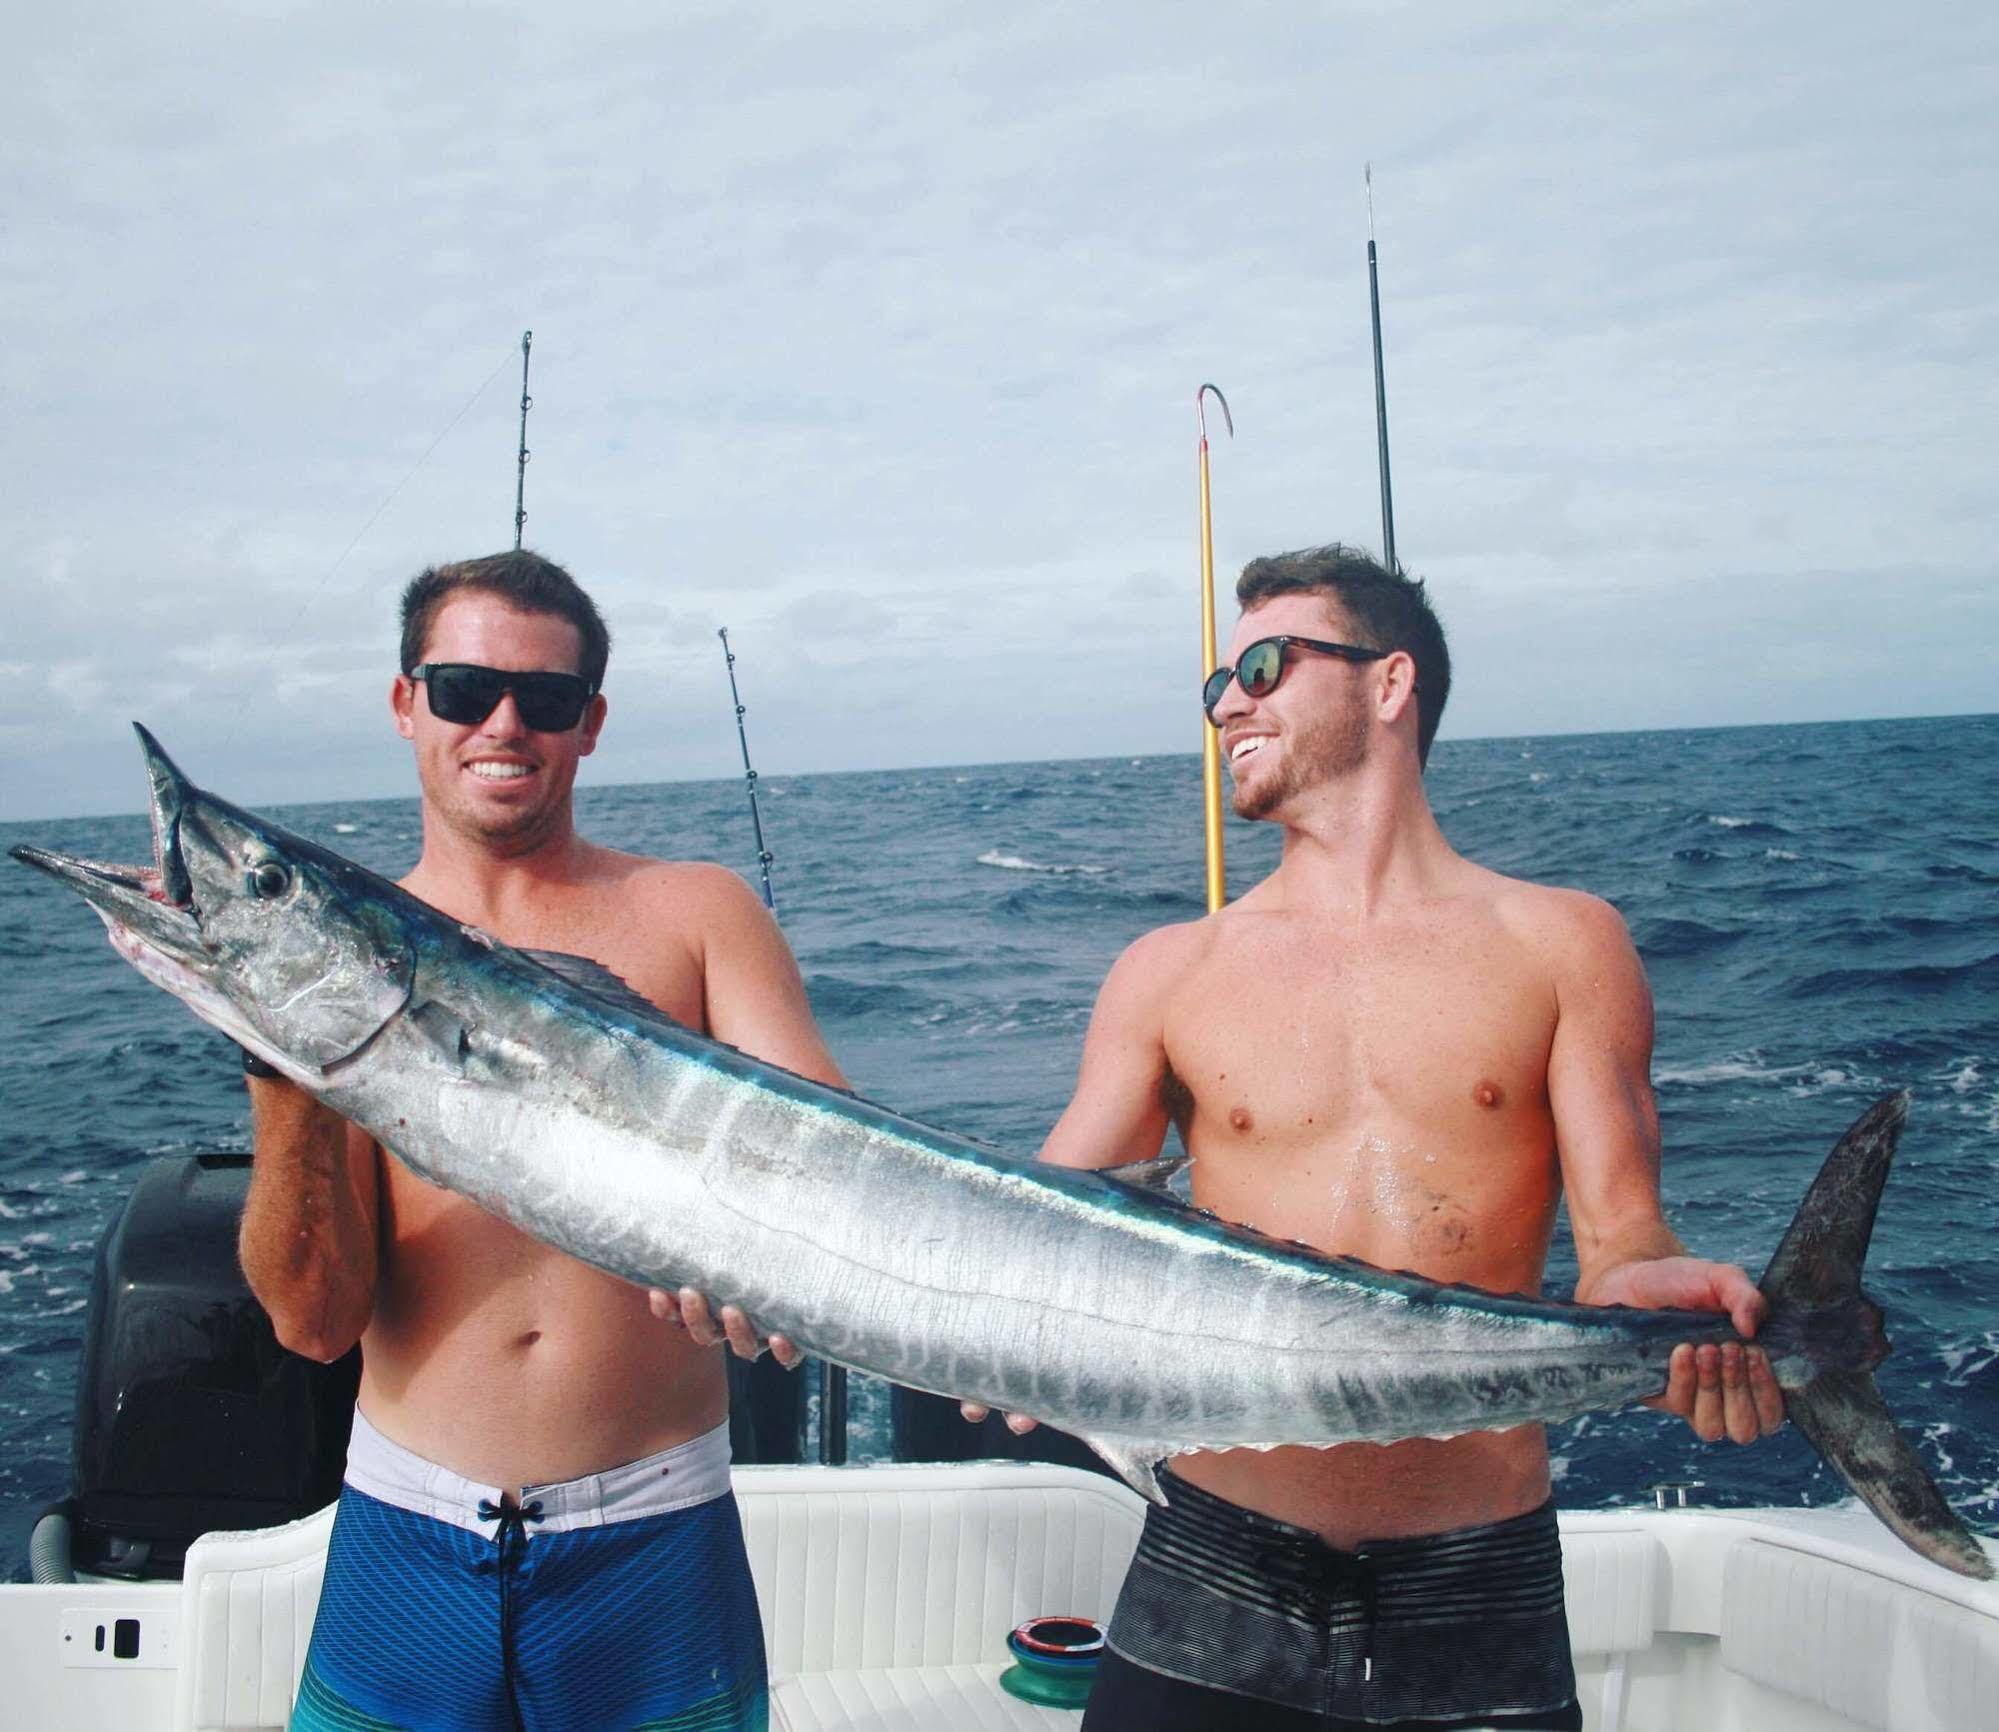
(1230, 1620)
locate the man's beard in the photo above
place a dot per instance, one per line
(1329, 747)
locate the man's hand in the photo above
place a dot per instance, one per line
(1017, 1423)
(690, 1309)
(1727, 1391)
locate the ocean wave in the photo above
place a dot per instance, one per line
(1920, 976)
(1749, 827)
(1679, 935)
(1801, 1080)
(1015, 863)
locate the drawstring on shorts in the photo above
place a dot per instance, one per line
(511, 1539)
(1316, 1579)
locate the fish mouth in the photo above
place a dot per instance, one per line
(153, 904)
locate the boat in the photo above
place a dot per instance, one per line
(887, 1594)
(172, 1593)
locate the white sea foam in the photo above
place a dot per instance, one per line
(345, 829)
(1803, 1080)
(1725, 822)
(1962, 1082)
(1014, 863)
(1964, 1360)
(1724, 1070)
(1779, 854)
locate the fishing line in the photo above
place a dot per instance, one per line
(312, 598)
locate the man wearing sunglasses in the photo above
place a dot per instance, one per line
(1390, 1053)
(537, 1528)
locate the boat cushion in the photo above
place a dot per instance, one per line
(927, 1567)
(908, 1699)
(247, 1605)
(1611, 1580)
(1875, 1650)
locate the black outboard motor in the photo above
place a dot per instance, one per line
(189, 1415)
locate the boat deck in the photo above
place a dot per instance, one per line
(887, 1594)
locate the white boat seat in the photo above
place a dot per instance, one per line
(1611, 1580)
(919, 1573)
(1859, 1644)
(908, 1699)
(247, 1605)
(915, 1572)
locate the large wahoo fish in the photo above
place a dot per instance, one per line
(546, 1091)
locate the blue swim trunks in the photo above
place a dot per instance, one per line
(621, 1600)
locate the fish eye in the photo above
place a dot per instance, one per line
(270, 879)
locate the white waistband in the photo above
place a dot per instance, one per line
(690, 1473)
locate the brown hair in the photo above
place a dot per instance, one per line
(523, 580)
(1388, 610)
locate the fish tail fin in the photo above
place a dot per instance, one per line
(1824, 1337)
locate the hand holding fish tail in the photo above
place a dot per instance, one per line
(1721, 1391)
(690, 1309)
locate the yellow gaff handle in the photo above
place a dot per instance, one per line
(1211, 745)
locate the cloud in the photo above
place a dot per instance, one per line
(875, 337)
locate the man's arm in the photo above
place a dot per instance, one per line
(1118, 1112)
(308, 1238)
(1607, 1131)
(755, 1000)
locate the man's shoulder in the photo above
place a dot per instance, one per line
(1566, 924)
(1152, 964)
(688, 885)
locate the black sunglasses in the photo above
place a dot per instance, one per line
(1261, 666)
(466, 693)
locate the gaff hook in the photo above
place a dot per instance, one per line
(1201, 411)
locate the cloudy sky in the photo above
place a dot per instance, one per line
(873, 331)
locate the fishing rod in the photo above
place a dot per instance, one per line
(521, 462)
(832, 1378)
(1211, 745)
(749, 775)
(1380, 388)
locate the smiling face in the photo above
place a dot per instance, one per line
(1314, 727)
(497, 782)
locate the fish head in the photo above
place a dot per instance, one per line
(290, 950)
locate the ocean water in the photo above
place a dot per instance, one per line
(1818, 907)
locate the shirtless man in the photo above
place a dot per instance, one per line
(1390, 1053)
(537, 1528)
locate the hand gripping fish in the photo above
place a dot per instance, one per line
(546, 1091)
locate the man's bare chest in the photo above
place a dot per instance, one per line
(1449, 1028)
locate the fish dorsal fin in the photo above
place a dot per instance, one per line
(1153, 1175)
(595, 977)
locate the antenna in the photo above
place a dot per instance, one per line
(521, 465)
(1380, 388)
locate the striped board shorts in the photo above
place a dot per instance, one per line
(1230, 1619)
(622, 1599)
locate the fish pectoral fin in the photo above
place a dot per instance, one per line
(595, 977)
(1152, 1175)
(1133, 1461)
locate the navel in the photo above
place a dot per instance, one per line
(1489, 1094)
(529, 1339)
